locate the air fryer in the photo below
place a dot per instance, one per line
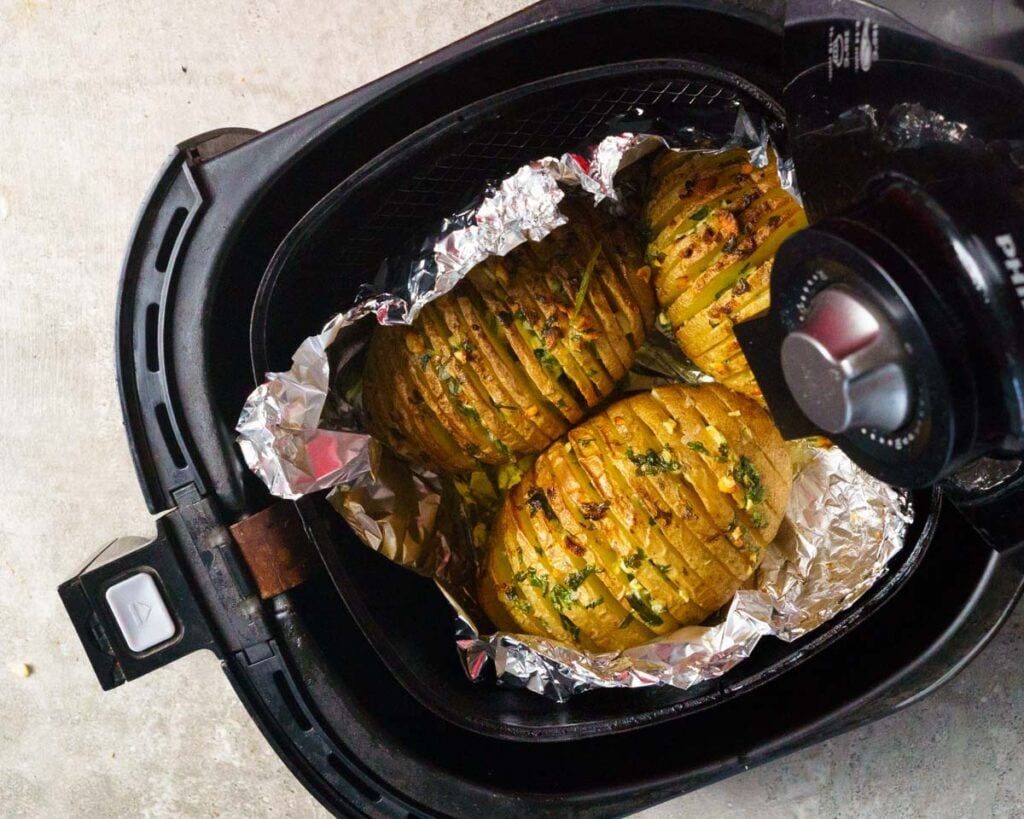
(248, 242)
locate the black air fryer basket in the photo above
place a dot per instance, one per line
(248, 242)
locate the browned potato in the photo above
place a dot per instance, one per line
(714, 223)
(517, 353)
(646, 517)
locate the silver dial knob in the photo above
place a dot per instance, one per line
(844, 365)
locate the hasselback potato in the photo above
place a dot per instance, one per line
(644, 518)
(713, 225)
(517, 352)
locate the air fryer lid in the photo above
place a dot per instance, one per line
(897, 325)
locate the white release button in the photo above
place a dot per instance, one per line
(140, 611)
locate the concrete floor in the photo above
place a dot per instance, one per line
(92, 94)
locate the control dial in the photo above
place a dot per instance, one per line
(844, 365)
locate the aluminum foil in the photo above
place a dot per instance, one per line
(300, 432)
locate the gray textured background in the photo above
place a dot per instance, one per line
(91, 97)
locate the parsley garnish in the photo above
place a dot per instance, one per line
(588, 272)
(561, 597)
(749, 478)
(576, 579)
(571, 627)
(643, 610)
(651, 462)
(635, 559)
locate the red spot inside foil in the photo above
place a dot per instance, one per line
(324, 459)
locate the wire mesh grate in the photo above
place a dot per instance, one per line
(462, 166)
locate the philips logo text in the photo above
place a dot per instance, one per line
(1012, 262)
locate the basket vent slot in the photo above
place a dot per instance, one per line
(174, 225)
(163, 419)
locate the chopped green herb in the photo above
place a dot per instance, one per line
(468, 411)
(593, 604)
(588, 272)
(643, 610)
(561, 597)
(635, 559)
(759, 519)
(749, 478)
(548, 361)
(697, 446)
(661, 567)
(626, 621)
(651, 462)
(700, 214)
(452, 385)
(571, 627)
(576, 579)
(723, 452)
(534, 578)
(519, 315)
(591, 372)
(425, 358)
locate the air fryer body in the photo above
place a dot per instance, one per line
(332, 670)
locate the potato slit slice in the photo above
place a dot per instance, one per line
(756, 430)
(688, 600)
(677, 494)
(640, 577)
(569, 505)
(717, 583)
(603, 612)
(453, 397)
(773, 487)
(548, 385)
(578, 366)
(489, 421)
(726, 510)
(430, 440)
(705, 292)
(534, 426)
(506, 365)
(534, 577)
(503, 600)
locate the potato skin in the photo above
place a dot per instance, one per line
(645, 518)
(713, 224)
(517, 352)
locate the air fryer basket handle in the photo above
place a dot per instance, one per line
(132, 593)
(996, 513)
